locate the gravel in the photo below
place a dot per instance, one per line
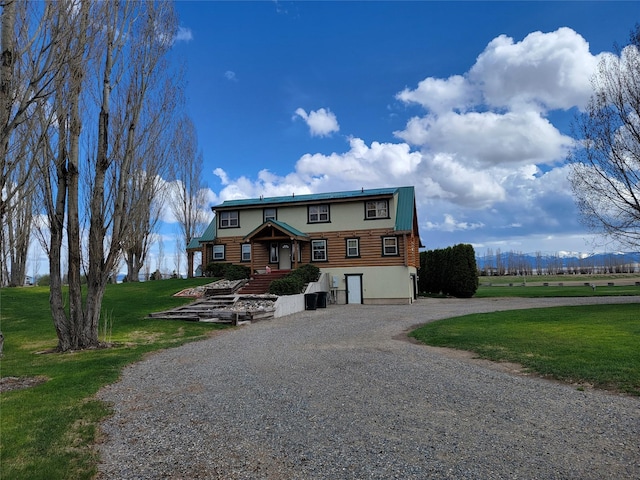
(339, 393)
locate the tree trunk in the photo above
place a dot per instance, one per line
(6, 74)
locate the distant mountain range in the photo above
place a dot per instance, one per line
(561, 262)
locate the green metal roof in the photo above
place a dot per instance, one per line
(211, 232)
(194, 243)
(209, 235)
(288, 228)
(405, 209)
(314, 197)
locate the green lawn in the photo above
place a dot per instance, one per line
(595, 344)
(47, 431)
(555, 290)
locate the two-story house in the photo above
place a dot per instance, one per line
(367, 241)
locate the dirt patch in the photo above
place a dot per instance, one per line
(465, 355)
(8, 384)
(472, 357)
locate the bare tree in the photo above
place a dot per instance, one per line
(151, 163)
(27, 73)
(18, 221)
(113, 54)
(150, 28)
(500, 268)
(177, 258)
(188, 198)
(605, 175)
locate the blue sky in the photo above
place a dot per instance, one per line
(470, 102)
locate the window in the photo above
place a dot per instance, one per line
(246, 252)
(269, 214)
(377, 209)
(229, 219)
(353, 247)
(318, 213)
(318, 250)
(218, 252)
(389, 246)
(273, 253)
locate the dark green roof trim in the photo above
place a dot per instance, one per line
(314, 197)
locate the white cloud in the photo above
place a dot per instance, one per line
(450, 224)
(322, 122)
(438, 95)
(552, 70)
(489, 138)
(484, 157)
(183, 34)
(544, 71)
(231, 76)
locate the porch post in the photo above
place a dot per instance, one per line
(251, 253)
(190, 264)
(406, 250)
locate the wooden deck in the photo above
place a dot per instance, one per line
(219, 309)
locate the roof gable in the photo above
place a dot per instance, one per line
(281, 227)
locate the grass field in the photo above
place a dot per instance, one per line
(539, 291)
(47, 431)
(596, 344)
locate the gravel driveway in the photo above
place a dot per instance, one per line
(339, 393)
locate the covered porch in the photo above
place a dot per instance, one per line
(275, 245)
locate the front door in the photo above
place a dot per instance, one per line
(284, 254)
(354, 288)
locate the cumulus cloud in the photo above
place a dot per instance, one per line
(439, 95)
(484, 156)
(551, 70)
(321, 122)
(489, 138)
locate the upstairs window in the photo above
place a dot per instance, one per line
(270, 214)
(353, 247)
(229, 219)
(318, 213)
(389, 246)
(377, 209)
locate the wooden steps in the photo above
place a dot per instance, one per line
(259, 283)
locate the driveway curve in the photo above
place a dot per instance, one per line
(339, 393)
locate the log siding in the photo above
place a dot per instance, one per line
(370, 243)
